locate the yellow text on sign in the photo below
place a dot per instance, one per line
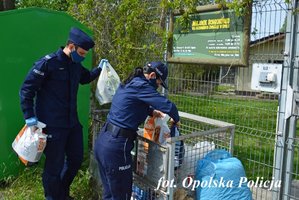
(208, 24)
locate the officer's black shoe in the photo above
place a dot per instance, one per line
(69, 198)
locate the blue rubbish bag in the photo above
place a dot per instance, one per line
(219, 175)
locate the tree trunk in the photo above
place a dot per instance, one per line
(1, 6)
(9, 4)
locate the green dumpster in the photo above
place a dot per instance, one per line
(26, 35)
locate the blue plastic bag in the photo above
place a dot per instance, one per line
(219, 174)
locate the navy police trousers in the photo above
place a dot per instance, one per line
(64, 155)
(113, 153)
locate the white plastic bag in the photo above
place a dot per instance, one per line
(164, 129)
(107, 84)
(156, 129)
(193, 153)
(29, 144)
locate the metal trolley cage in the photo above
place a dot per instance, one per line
(168, 171)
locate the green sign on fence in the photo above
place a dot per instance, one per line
(212, 37)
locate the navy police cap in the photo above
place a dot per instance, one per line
(161, 71)
(80, 38)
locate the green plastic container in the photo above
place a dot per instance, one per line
(25, 36)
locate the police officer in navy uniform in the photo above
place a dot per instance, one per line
(49, 95)
(133, 101)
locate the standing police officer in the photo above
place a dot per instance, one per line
(49, 94)
(134, 100)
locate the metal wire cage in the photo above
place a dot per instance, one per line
(168, 171)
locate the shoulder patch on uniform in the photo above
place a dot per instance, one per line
(38, 72)
(49, 56)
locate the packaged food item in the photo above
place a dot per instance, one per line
(29, 144)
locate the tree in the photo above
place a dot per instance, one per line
(59, 5)
(128, 33)
(7, 5)
(284, 26)
(1, 6)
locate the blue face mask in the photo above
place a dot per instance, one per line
(153, 82)
(76, 58)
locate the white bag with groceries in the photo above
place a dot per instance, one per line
(156, 129)
(107, 84)
(164, 133)
(29, 144)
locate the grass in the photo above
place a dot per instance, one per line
(28, 185)
(255, 121)
(254, 140)
(224, 88)
(242, 112)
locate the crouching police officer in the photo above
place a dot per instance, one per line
(49, 94)
(133, 101)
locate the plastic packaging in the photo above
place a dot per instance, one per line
(221, 174)
(107, 84)
(29, 144)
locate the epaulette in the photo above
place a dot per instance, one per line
(50, 56)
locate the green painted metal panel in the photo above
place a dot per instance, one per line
(25, 36)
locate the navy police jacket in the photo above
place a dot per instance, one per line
(50, 89)
(133, 102)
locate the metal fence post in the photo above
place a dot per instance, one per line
(170, 147)
(286, 127)
(289, 148)
(232, 136)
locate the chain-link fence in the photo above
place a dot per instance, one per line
(169, 171)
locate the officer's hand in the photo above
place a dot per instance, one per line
(31, 123)
(178, 124)
(101, 64)
(172, 122)
(157, 113)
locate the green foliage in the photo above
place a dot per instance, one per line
(240, 7)
(128, 33)
(284, 26)
(186, 72)
(254, 138)
(28, 185)
(81, 188)
(224, 88)
(189, 6)
(60, 5)
(288, 1)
